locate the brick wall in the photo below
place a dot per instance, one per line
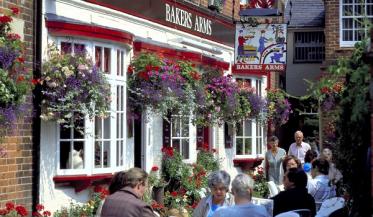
(332, 48)
(16, 167)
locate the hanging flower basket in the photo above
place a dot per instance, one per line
(72, 88)
(15, 80)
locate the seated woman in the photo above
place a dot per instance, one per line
(218, 183)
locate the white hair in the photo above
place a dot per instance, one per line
(242, 185)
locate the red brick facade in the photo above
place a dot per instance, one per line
(16, 167)
(332, 48)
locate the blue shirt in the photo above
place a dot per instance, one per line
(249, 209)
(212, 210)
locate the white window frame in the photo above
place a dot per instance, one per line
(343, 43)
(192, 139)
(259, 83)
(89, 135)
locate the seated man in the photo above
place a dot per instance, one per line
(319, 186)
(242, 188)
(295, 195)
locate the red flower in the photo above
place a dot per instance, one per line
(174, 194)
(5, 19)
(144, 75)
(195, 75)
(130, 70)
(47, 213)
(15, 10)
(194, 205)
(337, 87)
(155, 68)
(21, 78)
(325, 90)
(39, 207)
(155, 168)
(169, 151)
(35, 81)
(21, 59)
(13, 36)
(21, 211)
(36, 214)
(148, 68)
(4, 211)
(9, 206)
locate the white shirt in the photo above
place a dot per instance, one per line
(320, 188)
(299, 151)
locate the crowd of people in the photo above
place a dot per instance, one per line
(306, 179)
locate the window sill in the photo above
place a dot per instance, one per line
(247, 164)
(82, 182)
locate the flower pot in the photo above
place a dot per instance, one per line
(158, 194)
(177, 213)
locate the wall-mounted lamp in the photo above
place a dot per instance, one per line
(197, 44)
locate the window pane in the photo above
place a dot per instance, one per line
(347, 1)
(107, 127)
(119, 153)
(77, 155)
(370, 10)
(239, 130)
(79, 48)
(359, 23)
(98, 57)
(65, 150)
(347, 23)
(347, 10)
(176, 144)
(98, 157)
(347, 35)
(107, 59)
(98, 127)
(79, 134)
(65, 133)
(247, 128)
(239, 146)
(185, 127)
(358, 10)
(118, 62)
(185, 152)
(106, 153)
(66, 47)
(175, 127)
(248, 146)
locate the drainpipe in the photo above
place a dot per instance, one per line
(37, 35)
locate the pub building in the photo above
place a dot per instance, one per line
(113, 32)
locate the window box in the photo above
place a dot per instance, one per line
(81, 182)
(247, 164)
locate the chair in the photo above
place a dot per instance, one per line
(288, 214)
(273, 190)
(330, 205)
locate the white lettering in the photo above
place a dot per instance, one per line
(168, 12)
(196, 25)
(172, 15)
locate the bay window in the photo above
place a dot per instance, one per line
(249, 135)
(98, 145)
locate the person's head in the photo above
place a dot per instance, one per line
(298, 137)
(320, 166)
(310, 155)
(117, 182)
(295, 178)
(327, 154)
(218, 182)
(137, 179)
(242, 187)
(291, 162)
(273, 141)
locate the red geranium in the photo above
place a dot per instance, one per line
(5, 19)
(174, 194)
(39, 207)
(21, 210)
(13, 36)
(15, 10)
(9, 206)
(325, 90)
(130, 70)
(47, 213)
(155, 168)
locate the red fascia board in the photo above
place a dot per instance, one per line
(140, 46)
(247, 160)
(69, 178)
(71, 29)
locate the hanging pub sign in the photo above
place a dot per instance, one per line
(260, 49)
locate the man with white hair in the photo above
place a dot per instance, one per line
(242, 188)
(299, 148)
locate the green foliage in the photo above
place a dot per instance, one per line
(260, 183)
(207, 160)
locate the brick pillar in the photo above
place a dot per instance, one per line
(16, 166)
